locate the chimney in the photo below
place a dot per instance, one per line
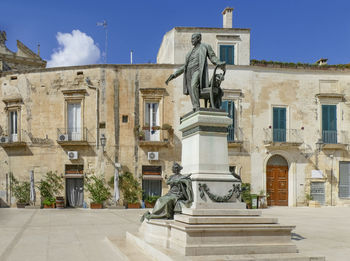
(227, 17)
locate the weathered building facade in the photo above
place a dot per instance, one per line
(289, 132)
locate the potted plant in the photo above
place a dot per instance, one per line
(246, 196)
(99, 191)
(262, 199)
(308, 198)
(131, 190)
(141, 135)
(21, 191)
(150, 201)
(50, 187)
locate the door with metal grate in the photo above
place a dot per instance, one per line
(317, 192)
(344, 179)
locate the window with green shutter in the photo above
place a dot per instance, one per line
(279, 124)
(229, 107)
(329, 124)
(227, 54)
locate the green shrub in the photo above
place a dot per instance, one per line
(152, 199)
(246, 197)
(130, 188)
(50, 186)
(97, 187)
(21, 190)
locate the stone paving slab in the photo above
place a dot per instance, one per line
(80, 234)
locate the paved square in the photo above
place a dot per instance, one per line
(80, 234)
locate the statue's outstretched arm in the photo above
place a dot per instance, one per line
(178, 72)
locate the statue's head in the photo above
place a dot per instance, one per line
(196, 38)
(176, 168)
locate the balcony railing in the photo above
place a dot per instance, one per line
(12, 139)
(283, 135)
(234, 134)
(68, 135)
(156, 137)
(335, 137)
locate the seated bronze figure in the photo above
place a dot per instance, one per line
(179, 195)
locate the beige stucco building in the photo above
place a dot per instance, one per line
(289, 132)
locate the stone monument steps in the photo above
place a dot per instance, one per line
(236, 249)
(224, 219)
(134, 248)
(126, 251)
(223, 212)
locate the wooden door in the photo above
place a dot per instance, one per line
(277, 185)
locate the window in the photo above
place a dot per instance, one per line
(279, 124)
(329, 124)
(125, 118)
(229, 107)
(227, 54)
(317, 192)
(74, 121)
(151, 122)
(151, 181)
(13, 124)
(344, 179)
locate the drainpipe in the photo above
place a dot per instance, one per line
(88, 82)
(332, 157)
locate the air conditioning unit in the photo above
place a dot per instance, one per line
(72, 155)
(63, 137)
(4, 139)
(153, 155)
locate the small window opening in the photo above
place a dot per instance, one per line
(125, 118)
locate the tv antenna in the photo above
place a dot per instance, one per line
(104, 24)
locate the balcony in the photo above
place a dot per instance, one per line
(335, 139)
(12, 140)
(234, 137)
(283, 137)
(154, 138)
(66, 136)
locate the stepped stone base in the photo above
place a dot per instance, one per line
(213, 234)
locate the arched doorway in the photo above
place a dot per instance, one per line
(277, 181)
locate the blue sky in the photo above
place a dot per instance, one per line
(281, 30)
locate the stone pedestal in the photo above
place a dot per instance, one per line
(205, 157)
(217, 226)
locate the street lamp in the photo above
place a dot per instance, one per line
(319, 145)
(103, 141)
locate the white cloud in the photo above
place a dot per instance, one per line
(76, 48)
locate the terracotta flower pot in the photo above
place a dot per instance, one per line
(134, 205)
(95, 205)
(49, 206)
(149, 205)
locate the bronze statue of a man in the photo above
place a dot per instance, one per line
(195, 69)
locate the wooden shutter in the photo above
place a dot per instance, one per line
(227, 54)
(329, 124)
(279, 124)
